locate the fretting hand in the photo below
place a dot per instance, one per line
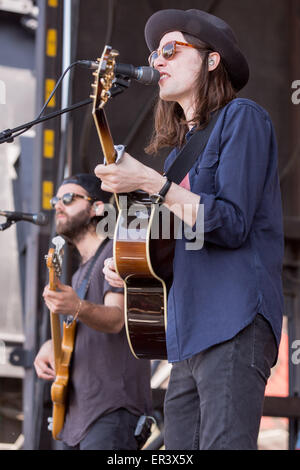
(62, 301)
(128, 175)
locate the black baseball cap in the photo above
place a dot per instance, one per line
(91, 184)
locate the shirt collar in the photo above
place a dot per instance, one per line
(189, 134)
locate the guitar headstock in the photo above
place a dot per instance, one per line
(104, 77)
(54, 260)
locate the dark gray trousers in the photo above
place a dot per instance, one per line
(215, 399)
(114, 431)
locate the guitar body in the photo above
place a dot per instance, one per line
(60, 385)
(143, 254)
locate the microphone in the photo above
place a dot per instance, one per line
(143, 74)
(37, 219)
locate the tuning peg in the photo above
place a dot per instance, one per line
(95, 74)
(92, 96)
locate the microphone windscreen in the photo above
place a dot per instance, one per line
(41, 219)
(149, 76)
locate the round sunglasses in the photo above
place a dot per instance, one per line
(67, 199)
(167, 51)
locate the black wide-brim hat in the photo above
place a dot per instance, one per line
(209, 29)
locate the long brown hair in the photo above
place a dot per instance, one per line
(214, 91)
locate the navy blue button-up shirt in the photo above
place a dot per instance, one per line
(218, 289)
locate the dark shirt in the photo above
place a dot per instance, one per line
(105, 376)
(218, 290)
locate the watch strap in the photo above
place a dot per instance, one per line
(158, 198)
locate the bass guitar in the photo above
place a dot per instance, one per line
(63, 345)
(143, 239)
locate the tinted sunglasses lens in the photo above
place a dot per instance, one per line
(67, 198)
(153, 56)
(168, 50)
(54, 201)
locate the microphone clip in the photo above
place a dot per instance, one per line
(120, 84)
(6, 224)
(6, 136)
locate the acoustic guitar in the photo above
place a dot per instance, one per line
(143, 239)
(63, 346)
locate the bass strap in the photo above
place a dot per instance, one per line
(191, 151)
(84, 285)
(81, 291)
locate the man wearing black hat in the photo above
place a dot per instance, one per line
(109, 389)
(225, 305)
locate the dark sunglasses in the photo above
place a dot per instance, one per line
(68, 198)
(167, 51)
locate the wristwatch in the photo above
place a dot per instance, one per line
(158, 198)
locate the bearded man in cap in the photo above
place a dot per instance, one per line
(225, 305)
(109, 389)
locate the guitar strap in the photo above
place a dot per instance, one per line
(84, 285)
(82, 289)
(191, 151)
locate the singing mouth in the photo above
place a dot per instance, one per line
(163, 76)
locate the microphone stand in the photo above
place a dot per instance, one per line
(8, 135)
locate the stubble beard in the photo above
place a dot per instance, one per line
(75, 228)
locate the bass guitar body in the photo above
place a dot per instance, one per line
(60, 385)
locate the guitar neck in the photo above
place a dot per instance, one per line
(104, 135)
(56, 338)
(54, 263)
(55, 323)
